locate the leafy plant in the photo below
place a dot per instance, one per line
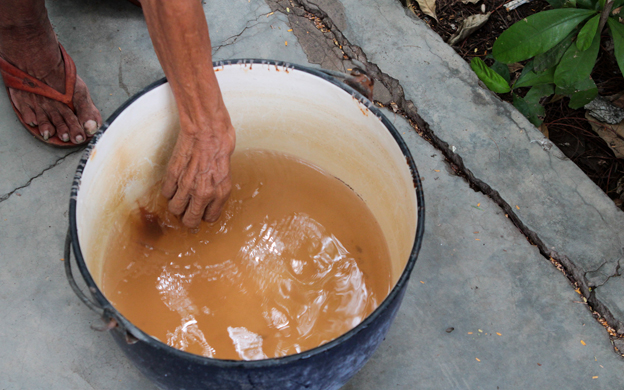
(562, 45)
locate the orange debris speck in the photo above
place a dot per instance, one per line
(478, 359)
(583, 342)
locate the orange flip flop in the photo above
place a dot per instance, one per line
(20, 80)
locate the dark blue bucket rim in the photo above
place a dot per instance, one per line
(270, 362)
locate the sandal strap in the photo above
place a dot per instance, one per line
(20, 80)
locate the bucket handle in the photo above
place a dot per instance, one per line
(72, 282)
(358, 79)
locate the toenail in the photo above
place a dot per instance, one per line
(79, 139)
(91, 126)
(32, 124)
(46, 135)
(65, 137)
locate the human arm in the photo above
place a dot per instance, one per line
(197, 182)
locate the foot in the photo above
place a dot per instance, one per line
(30, 44)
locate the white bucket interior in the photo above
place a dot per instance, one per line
(271, 107)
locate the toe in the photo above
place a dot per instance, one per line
(76, 132)
(62, 130)
(88, 115)
(46, 128)
(22, 103)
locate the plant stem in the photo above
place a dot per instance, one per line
(604, 15)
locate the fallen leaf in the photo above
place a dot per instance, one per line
(583, 342)
(477, 239)
(517, 207)
(544, 129)
(613, 135)
(516, 66)
(470, 1)
(436, 170)
(475, 232)
(539, 364)
(290, 30)
(62, 259)
(468, 26)
(422, 282)
(498, 334)
(478, 204)
(480, 331)
(478, 359)
(269, 14)
(594, 377)
(285, 43)
(428, 7)
(469, 332)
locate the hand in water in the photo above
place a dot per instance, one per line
(198, 181)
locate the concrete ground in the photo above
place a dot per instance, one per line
(518, 321)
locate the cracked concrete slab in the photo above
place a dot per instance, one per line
(477, 274)
(502, 152)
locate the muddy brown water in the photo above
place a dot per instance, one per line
(296, 260)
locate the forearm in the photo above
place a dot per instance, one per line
(179, 32)
(197, 182)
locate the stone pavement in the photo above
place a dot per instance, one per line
(477, 271)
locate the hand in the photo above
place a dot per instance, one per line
(198, 182)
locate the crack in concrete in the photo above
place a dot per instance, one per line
(54, 164)
(575, 274)
(234, 38)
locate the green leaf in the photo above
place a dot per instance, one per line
(617, 32)
(577, 65)
(617, 4)
(490, 78)
(562, 3)
(587, 4)
(530, 111)
(553, 56)
(587, 33)
(502, 70)
(537, 34)
(537, 92)
(531, 78)
(580, 94)
(601, 4)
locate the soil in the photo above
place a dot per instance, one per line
(566, 128)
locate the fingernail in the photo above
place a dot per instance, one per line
(46, 135)
(32, 124)
(91, 126)
(65, 137)
(79, 138)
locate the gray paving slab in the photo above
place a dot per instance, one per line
(549, 194)
(498, 283)
(476, 273)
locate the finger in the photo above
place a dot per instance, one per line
(180, 200)
(214, 209)
(195, 210)
(175, 170)
(46, 128)
(76, 133)
(62, 130)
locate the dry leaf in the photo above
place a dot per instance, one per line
(468, 26)
(544, 129)
(516, 66)
(470, 1)
(613, 135)
(617, 99)
(583, 342)
(428, 7)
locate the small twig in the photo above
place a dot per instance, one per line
(604, 15)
